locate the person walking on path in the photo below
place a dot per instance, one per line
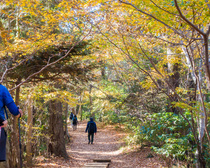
(91, 129)
(71, 118)
(6, 100)
(75, 122)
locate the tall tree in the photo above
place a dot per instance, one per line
(57, 143)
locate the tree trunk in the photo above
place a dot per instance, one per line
(29, 132)
(103, 70)
(174, 79)
(90, 98)
(17, 33)
(14, 158)
(56, 130)
(66, 123)
(80, 106)
(206, 63)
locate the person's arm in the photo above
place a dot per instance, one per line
(96, 127)
(9, 102)
(87, 127)
(14, 109)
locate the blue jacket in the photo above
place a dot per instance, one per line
(88, 124)
(7, 100)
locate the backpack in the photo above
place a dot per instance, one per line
(91, 127)
(74, 121)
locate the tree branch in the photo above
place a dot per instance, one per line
(159, 38)
(52, 63)
(208, 31)
(176, 31)
(162, 8)
(5, 72)
(186, 20)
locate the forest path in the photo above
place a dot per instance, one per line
(107, 145)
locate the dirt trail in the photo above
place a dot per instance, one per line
(107, 145)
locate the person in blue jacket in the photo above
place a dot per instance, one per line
(91, 129)
(71, 118)
(6, 100)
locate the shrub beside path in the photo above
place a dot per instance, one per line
(107, 145)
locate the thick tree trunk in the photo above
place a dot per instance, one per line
(56, 130)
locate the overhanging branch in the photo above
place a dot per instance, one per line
(52, 63)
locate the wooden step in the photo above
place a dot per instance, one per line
(97, 165)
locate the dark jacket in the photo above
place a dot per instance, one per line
(74, 118)
(71, 116)
(88, 125)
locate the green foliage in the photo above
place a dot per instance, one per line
(170, 135)
(134, 139)
(85, 113)
(175, 147)
(207, 154)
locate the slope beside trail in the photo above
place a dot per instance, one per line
(107, 145)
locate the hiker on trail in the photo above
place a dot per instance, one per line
(91, 129)
(71, 118)
(75, 122)
(6, 100)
